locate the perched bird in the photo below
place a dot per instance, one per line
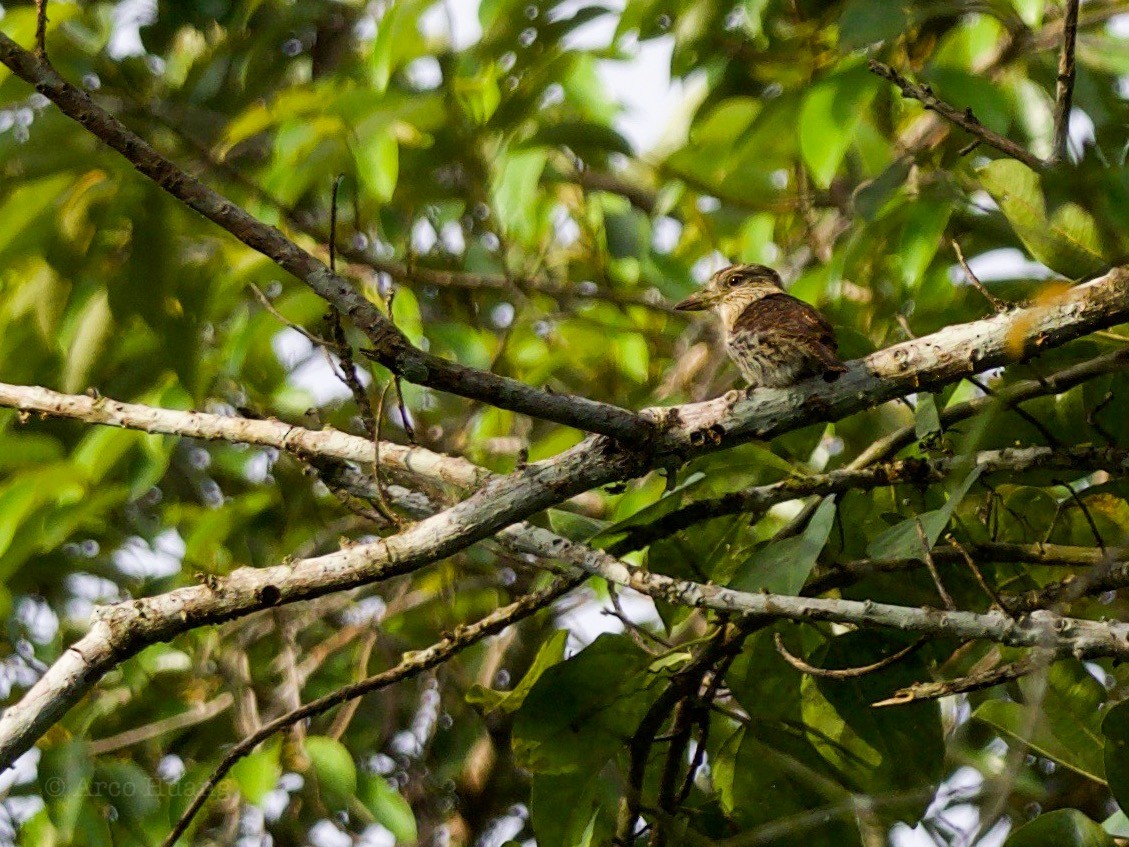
(775, 339)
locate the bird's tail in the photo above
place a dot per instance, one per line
(830, 363)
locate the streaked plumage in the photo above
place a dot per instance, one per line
(774, 339)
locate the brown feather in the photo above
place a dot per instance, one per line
(782, 321)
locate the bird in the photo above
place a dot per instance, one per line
(774, 339)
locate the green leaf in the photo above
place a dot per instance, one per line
(864, 22)
(782, 567)
(515, 189)
(1115, 729)
(397, 38)
(921, 236)
(335, 769)
(257, 774)
(927, 422)
(580, 136)
(579, 711)
(575, 527)
(550, 653)
(830, 114)
(1067, 726)
(64, 772)
(566, 809)
(389, 807)
(1067, 242)
(879, 749)
(94, 329)
(1061, 828)
(377, 160)
(902, 541)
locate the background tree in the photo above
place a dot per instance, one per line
(886, 608)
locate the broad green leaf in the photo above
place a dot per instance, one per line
(64, 772)
(333, 765)
(377, 160)
(864, 22)
(927, 422)
(1061, 828)
(550, 653)
(88, 344)
(1115, 729)
(1066, 725)
(515, 189)
(567, 810)
(389, 807)
(1067, 242)
(882, 749)
(782, 567)
(830, 113)
(921, 237)
(575, 527)
(257, 774)
(579, 711)
(902, 540)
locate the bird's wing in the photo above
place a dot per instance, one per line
(784, 315)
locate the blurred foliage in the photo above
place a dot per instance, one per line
(504, 151)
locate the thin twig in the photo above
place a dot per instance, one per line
(412, 664)
(946, 598)
(1037, 424)
(972, 682)
(1085, 513)
(316, 340)
(965, 119)
(41, 29)
(995, 302)
(1064, 85)
(843, 673)
(405, 420)
(983, 583)
(381, 495)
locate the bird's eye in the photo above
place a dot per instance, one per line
(733, 281)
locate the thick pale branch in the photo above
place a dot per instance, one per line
(907, 471)
(1062, 635)
(413, 462)
(390, 346)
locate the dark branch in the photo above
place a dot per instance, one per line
(1064, 84)
(390, 347)
(965, 119)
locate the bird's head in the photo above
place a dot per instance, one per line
(735, 285)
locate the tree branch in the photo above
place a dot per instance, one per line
(1064, 83)
(756, 501)
(966, 120)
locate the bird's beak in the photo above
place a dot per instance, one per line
(694, 303)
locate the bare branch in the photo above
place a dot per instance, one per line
(1064, 84)
(1037, 660)
(756, 501)
(844, 673)
(996, 303)
(946, 598)
(965, 119)
(41, 30)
